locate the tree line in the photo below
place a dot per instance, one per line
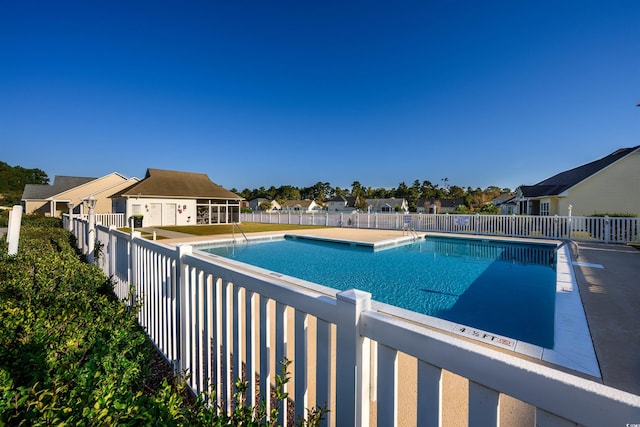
(473, 199)
(14, 178)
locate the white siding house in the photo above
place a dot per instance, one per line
(165, 198)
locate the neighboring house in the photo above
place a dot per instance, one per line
(300, 206)
(608, 185)
(254, 204)
(387, 205)
(341, 204)
(506, 202)
(438, 206)
(53, 200)
(167, 197)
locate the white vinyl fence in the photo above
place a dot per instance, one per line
(597, 229)
(217, 320)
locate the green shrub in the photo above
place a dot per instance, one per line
(614, 215)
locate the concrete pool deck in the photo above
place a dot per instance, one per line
(606, 276)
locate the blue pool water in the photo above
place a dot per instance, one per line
(504, 288)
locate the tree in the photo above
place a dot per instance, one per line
(320, 191)
(361, 204)
(341, 192)
(271, 193)
(456, 192)
(474, 199)
(428, 190)
(13, 180)
(245, 194)
(265, 206)
(356, 189)
(413, 195)
(489, 209)
(380, 193)
(402, 191)
(492, 192)
(287, 192)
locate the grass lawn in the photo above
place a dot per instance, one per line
(247, 227)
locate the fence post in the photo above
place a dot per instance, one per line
(607, 228)
(91, 236)
(110, 251)
(13, 230)
(353, 352)
(133, 266)
(70, 216)
(182, 299)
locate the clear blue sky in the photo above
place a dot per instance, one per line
(261, 93)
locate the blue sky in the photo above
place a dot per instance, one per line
(291, 93)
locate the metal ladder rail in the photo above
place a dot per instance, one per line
(572, 246)
(233, 231)
(411, 231)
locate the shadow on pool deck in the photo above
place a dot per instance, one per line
(608, 277)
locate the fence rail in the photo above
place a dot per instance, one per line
(217, 321)
(595, 229)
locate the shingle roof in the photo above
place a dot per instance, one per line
(60, 185)
(347, 200)
(502, 198)
(563, 181)
(378, 204)
(166, 183)
(337, 198)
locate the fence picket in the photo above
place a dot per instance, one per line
(300, 377)
(387, 414)
(429, 395)
(483, 406)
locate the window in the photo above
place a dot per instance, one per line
(544, 208)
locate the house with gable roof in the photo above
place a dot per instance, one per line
(438, 206)
(53, 200)
(505, 202)
(166, 197)
(342, 204)
(254, 204)
(300, 206)
(607, 185)
(388, 205)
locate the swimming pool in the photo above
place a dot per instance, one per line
(505, 288)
